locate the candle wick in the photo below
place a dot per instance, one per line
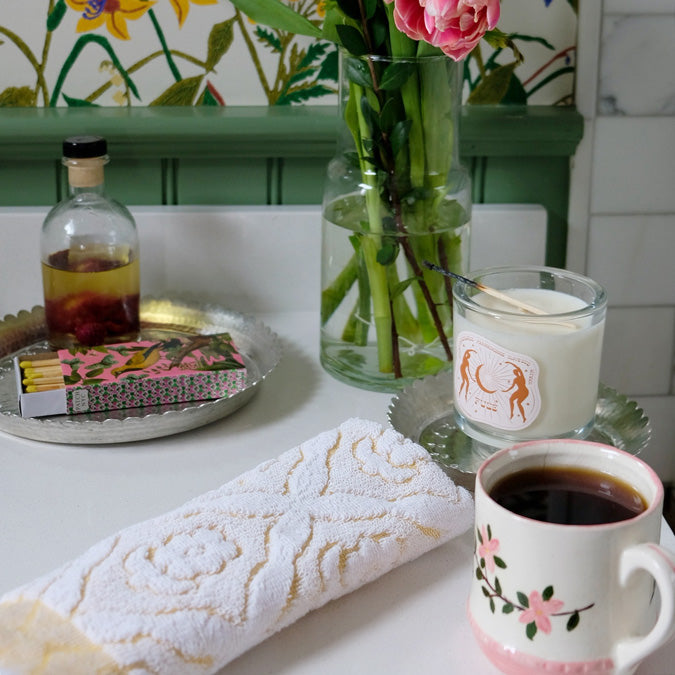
(525, 307)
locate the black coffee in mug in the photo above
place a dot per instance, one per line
(568, 496)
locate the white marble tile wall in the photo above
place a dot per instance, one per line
(626, 173)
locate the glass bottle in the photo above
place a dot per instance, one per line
(90, 256)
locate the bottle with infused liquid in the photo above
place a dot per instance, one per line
(90, 257)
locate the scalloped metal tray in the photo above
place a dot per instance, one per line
(424, 413)
(26, 332)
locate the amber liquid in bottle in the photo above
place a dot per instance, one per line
(91, 299)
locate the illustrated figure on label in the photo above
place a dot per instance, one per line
(521, 391)
(495, 385)
(464, 372)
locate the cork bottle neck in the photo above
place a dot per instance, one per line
(85, 172)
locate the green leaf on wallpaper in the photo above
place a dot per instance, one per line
(55, 16)
(515, 94)
(269, 37)
(304, 94)
(17, 97)
(208, 99)
(329, 67)
(277, 15)
(78, 102)
(494, 86)
(220, 40)
(314, 51)
(532, 38)
(180, 93)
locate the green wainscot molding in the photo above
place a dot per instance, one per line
(275, 155)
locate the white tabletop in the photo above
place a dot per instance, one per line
(56, 500)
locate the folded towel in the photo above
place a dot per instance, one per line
(190, 590)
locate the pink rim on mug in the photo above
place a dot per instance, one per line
(656, 501)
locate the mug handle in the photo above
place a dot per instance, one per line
(660, 563)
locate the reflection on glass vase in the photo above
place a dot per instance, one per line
(395, 197)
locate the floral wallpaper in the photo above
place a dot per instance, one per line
(206, 52)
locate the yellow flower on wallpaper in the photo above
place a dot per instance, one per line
(114, 13)
(182, 7)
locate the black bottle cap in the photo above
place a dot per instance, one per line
(79, 147)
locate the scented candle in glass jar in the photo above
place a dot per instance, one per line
(90, 256)
(529, 368)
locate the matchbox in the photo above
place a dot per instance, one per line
(129, 375)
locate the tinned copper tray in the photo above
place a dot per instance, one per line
(160, 317)
(424, 413)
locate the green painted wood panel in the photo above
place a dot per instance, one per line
(287, 131)
(28, 183)
(532, 180)
(276, 155)
(238, 180)
(131, 181)
(302, 180)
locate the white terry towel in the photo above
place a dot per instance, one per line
(190, 590)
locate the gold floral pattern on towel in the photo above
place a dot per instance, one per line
(190, 590)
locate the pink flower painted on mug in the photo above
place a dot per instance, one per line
(487, 548)
(455, 26)
(538, 610)
(534, 610)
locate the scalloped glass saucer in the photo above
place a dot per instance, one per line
(424, 413)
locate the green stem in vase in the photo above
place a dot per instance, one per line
(332, 296)
(371, 243)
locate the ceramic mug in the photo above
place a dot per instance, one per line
(560, 598)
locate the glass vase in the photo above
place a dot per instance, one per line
(396, 199)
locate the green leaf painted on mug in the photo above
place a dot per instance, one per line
(522, 599)
(531, 630)
(573, 621)
(548, 593)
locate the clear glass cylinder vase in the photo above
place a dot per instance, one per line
(396, 200)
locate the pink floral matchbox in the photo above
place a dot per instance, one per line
(129, 375)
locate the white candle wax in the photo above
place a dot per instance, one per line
(527, 377)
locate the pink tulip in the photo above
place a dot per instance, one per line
(455, 26)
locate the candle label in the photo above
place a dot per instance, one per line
(494, 385)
